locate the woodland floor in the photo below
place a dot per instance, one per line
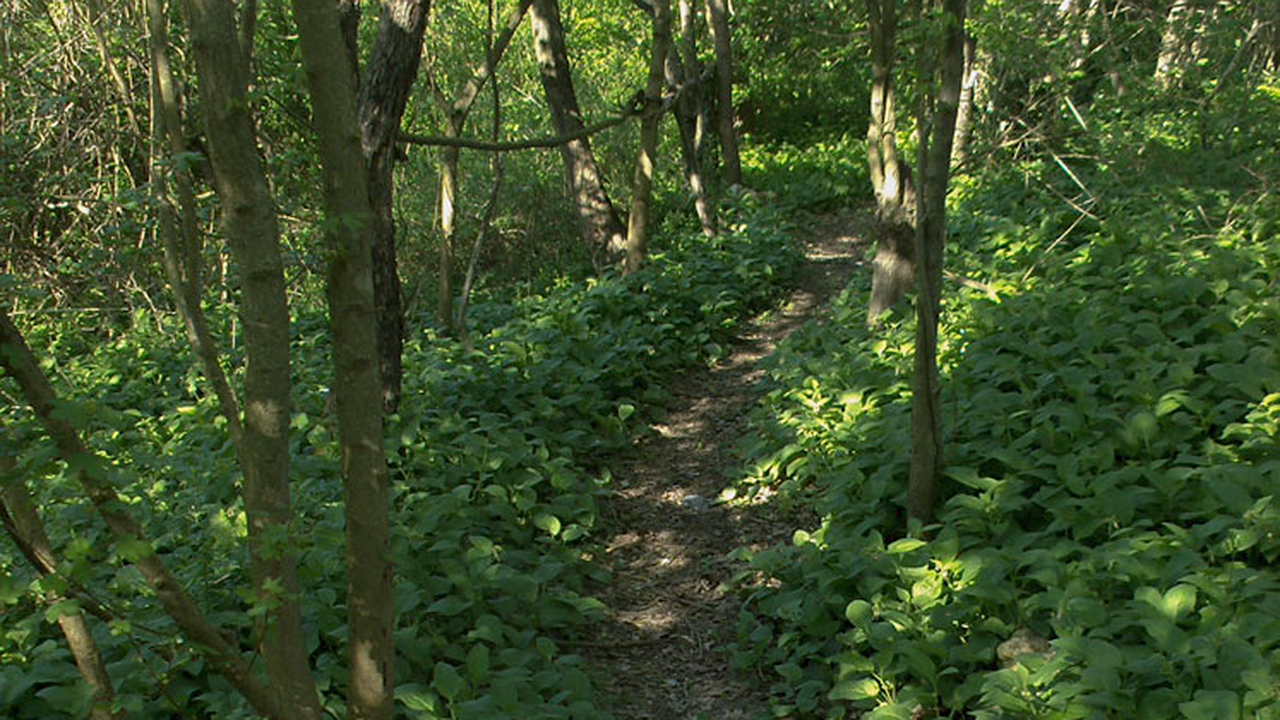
(663, 649)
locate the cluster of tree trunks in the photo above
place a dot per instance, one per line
(600, 223)
(356, 116)
(911, 211)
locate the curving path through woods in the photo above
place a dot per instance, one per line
(663, 647)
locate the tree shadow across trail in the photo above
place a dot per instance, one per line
(663, 645)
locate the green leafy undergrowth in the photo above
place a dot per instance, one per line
(494, 474)
(1110, 506)
(817, 176)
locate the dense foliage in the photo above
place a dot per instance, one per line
(1108, 544)
(494, 458)
(1107, 541)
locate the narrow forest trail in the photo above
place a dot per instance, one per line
(663, 648)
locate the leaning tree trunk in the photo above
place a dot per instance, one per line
(26, 529)
(224, 658)
(181, 235)
(600, 224)
(384, 92)
(935, 166)
(890, 178)
(456, 114)
(352, 312)
(249, 216)
(718, 22)
(642, 184)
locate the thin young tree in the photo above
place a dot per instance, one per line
(24, 527)
(718, 23)
(250, 223)
(456, 111)
(642, 183)
(937, 122)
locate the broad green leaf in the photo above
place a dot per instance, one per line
(548, 522)
(1180, 600)
(478, 663)
(858, 612)
(905, 545)
(863, 688)
(626, 410)
(449, 605)
(1212, 705)
(447, 681)
(416, 696)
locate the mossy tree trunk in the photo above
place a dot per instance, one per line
(353, 317)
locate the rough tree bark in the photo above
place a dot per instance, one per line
(352, 312)
(938, 125)
(249, 218)
(718, 22)
(642, 183)
(894, 270)
(598, 220)
(383, 95)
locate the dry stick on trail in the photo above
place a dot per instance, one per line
(664, 641)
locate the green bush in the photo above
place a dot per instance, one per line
(1111, 432)
(494, 476)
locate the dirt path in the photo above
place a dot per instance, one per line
(664, 644)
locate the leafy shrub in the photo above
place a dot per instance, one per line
(1113, 455)
(493, 459)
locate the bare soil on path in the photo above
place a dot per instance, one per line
(663, 648)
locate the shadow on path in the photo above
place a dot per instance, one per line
(663, 647)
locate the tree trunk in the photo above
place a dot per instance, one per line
(969, 91)
(384, 92)
(92, 474)
(248, 214)
(181, 237)
(22, 523)
(939, 120)
(718, 22)
(683, 73)
(894, 270)
(352, 312)
(456, 119)
(448, 203)
(1170, 63)
(599, 222)
(642, 184)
